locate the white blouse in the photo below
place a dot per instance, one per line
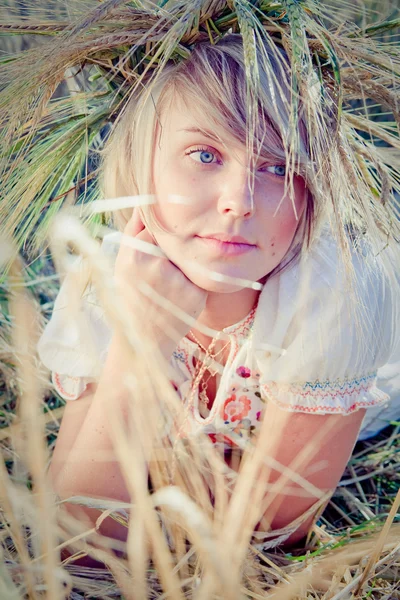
(312, 344)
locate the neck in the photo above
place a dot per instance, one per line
(223, 310)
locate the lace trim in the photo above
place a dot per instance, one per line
(342, 396)
(76, 386)
(244, 327)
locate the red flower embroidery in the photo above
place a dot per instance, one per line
(243, 372)
(236, 409)
(218, 437)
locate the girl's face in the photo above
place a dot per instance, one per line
(212, 176)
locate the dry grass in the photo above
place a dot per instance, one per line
(117, 46)
(199, 552)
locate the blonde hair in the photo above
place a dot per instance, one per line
(213, 78)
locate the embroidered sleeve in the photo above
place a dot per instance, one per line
(339, 396)
(69, 388)
(336, 340)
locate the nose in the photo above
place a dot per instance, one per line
(236, 197)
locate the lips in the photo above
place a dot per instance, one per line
(223, 237)
(226, 249)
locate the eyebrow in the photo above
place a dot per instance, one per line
(211, 136)
(204, 132)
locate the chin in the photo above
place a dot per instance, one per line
(202, 280)
(209, 285)
(218, 287)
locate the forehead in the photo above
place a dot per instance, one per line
(184, 118)
(187, 116)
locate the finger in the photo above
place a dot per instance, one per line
(133, 227)
(146, 236)
(135, 224)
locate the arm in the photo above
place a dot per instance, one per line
(74, 415)
(84, 461)
(76, 469)
(334, 437)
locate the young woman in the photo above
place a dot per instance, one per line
(300, 352)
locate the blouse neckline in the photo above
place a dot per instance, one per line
(238, 331)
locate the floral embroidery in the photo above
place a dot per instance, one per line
(240, 405)
(234, 389)
(230, 433)
(243, 372)
(179, 355)
(220, 438)
(236, 409)
(182, 355)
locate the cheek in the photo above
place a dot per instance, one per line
(166, 210)
(178, 196)
(175, 216)
(283, 231)
(282, 228)
(291, 212)
(288, 218)
(168, 214)
(180, 201)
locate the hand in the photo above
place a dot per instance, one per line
(165, 278)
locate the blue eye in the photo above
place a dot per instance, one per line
(278, 170)
(206, 156)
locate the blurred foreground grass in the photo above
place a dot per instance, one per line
(357, 510)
